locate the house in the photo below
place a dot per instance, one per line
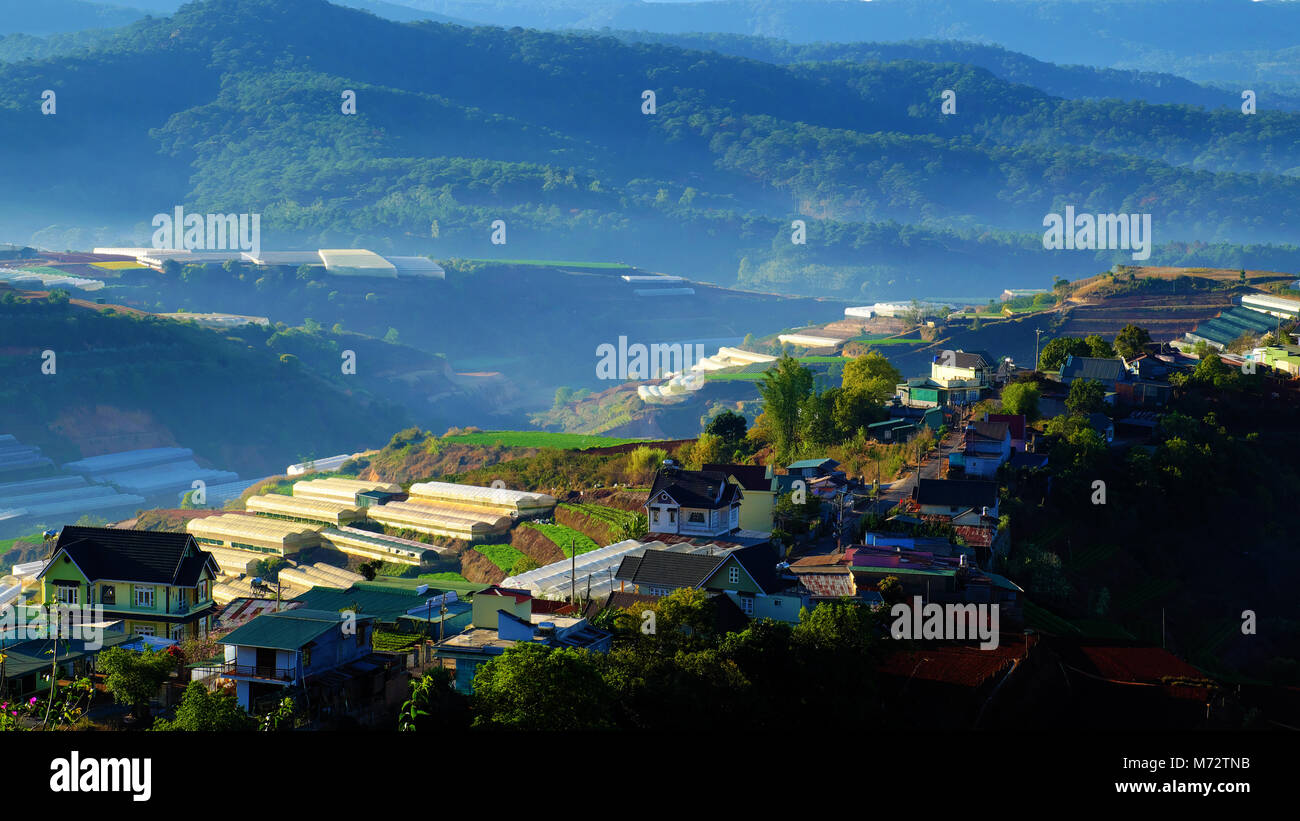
(747, 576)
(1101, 423)
(1015, 425)
(949, 497)
(1109, 372)
(986, 446)
(956, 378)
(506, 618)
(937, 579)
(27, 663)
(758, 499)
(812, 468)
(325, 651)
(159, 583)
(693, 502)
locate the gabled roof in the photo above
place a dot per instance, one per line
(750, 477)
(759, 561)
(992, 431)
(1015, 423)
(957, 493)
(967, 359)
(288, 629)
(695, 488)
(663, 568)
(143, 556)
(1092, 367)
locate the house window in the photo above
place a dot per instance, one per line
(697, 517)
(672, 517)
(178, 633)
(733, 575)
(654, 514)
(108, 594)
(66, 593)
(747, 605)
(144, 597)
(306, 657)
(776, 602)
(145, 630)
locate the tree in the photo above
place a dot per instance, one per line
(1022, 398)
(269, 569)
(523, 565)
(370, 569)
(282, 718)
(134, 678)
(784, 389)
(202, 711)
(435, 704)
(1055, 352)
(1099, 347)
(890, 589)
(1131, 341)
(729, 425)
(534, 687)
(708, 449)
(873, 375)
(1086, 396)
(636, 528)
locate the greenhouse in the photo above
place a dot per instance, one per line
(440, 520)
(319, 575)
(166, 477)
(501, 500)
(128, 460)
(367, 545)
(255, 533)
(340, 491)
(301, 509)
(593, 572)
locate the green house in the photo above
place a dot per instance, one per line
(159, 584)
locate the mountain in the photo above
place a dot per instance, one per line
(52, 16)
(456, 128)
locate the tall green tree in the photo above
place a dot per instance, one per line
(1022, 398)
(872, 374)
(1055, 352)
(1086, 396)
(784, 389)
(534, 687)
(1131, 341)
(134, 678)
(728, 425)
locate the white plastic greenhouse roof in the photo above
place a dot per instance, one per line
(481, 495)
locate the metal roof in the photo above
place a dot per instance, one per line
(288, 629)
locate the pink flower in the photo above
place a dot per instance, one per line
(33, 701)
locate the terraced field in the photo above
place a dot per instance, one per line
(1166, 316)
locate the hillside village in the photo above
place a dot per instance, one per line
(409, 586)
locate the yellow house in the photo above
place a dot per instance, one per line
(759, 498)
(160, 584)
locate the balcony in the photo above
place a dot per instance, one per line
(268, 672)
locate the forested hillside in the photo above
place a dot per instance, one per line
(894, 192)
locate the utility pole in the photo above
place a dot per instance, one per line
(573, 573)
(1038, 333)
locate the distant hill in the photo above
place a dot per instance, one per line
(123, 382)
(457, 128)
